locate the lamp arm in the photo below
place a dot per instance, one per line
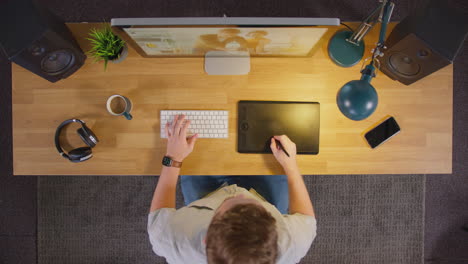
(387, 13)
(367, 24)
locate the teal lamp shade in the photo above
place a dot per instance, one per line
(357, 99)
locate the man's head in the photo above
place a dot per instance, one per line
(242, 231)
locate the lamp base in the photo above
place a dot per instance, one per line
(342, 52)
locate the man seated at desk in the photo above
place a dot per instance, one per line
(223, 222)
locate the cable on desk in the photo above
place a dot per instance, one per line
(347, 26)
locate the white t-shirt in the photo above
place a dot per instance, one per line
(178, 235)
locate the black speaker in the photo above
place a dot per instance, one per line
(424, 42)
(34, 38)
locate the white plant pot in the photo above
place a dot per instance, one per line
(122, 56)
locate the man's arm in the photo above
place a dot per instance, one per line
(178, 148)
(299, 199)
(165, 192)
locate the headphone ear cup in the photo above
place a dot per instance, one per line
(80, 154)
(87, 136)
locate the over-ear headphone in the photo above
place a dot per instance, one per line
(78, 154)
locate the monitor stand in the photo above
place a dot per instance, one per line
(227, 62)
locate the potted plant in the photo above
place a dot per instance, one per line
(106, 46)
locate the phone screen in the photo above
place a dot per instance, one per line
(382, 132)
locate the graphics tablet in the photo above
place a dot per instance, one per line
(259, 120)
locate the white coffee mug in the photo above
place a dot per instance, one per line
(123, 109)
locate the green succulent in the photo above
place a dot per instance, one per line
(105, 45)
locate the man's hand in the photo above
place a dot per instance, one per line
(178, 145)
(299, 199)
(288, 163)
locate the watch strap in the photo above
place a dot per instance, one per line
(176, 164)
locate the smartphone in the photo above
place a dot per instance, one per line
(383, 132)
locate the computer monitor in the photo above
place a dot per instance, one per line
(226, 42)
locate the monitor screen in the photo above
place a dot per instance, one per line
(261, 37)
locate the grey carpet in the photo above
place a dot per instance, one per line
(94, 220)
(361, 219)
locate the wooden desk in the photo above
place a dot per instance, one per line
(423, 110)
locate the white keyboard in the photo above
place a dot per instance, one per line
(207, 124)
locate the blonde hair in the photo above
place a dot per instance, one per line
(246, 234)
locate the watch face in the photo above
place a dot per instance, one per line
(166, 161)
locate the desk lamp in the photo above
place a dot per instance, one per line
(358, 99)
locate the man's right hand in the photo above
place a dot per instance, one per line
(178, 145)
(288, 163)
(299, 199)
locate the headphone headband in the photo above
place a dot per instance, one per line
(59, 131)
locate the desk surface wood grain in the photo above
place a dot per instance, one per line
(423, 110)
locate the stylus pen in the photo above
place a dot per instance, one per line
(281, 147)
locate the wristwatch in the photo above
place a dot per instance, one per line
(169, 162)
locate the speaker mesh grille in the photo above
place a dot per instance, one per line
(404, 64)
(57, 62)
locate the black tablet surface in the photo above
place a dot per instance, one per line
(259, 120)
